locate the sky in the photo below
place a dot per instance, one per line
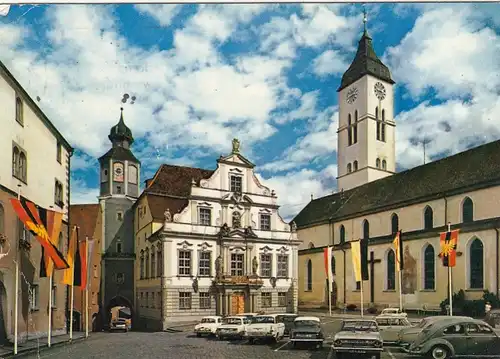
(266, 74)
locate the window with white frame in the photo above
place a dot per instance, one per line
(266, 265)
(184, 263)
(54, 297)
(236, 184)
(266, 300)
(282, 299)
(282, 271)
(34, 291)
(237, 262)
(204, 264)
(205, 302)
(184, 300)
(205, 215)
(265, 222)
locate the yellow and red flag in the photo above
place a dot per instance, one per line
(68, 277)
(29, 214)
(53, 222)
(449, 242)
(398, 249)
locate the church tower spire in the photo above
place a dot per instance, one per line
(366, 133)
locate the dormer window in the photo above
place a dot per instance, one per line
(236, 184)
(265, 222)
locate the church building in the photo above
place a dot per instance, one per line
(211, 242)
(374, 202)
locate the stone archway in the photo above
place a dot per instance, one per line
(118, 301)
(3, 309)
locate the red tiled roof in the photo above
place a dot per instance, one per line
(85, 217)
(172, 180)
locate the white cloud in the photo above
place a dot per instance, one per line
(164, 13)
(330, 62)
(81, 193)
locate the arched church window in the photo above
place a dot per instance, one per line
(476, 265)
(366, 229)
(378, 124)
(342, 233)
(467, 210)
(384, 164)
(429, 268)
(349, 168)
(394, 223)
(377, 163)
(382, 127)
(355, 127)
(391, 270)
(428, 218)
(309, 275)
(15, 162)
(355, 163)
(349, 130)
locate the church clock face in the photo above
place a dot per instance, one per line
(118, 172)
(379, 90)
(352, 95)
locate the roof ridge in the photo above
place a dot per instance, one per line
(180, 166)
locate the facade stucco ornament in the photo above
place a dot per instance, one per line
(293, 227)
(195, 284)
(177, 217)
(266, 192)
(168, 216)
(272, 280)
(219, 266)
(204, 183)
(224, 231)
(255, 265)
(273, 193)
(236, 146)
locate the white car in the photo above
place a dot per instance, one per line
(265, 327)
(393, 311)
(232, 328)
(208, 325)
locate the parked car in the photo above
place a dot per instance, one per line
(456, 337)
(495, 314)
(307, 330)
(247, 315)
(406, 336)
(358, 337)
(265, 327)
(287, 319)
(390, 325)
(392, 311)
(232, 328)
(208, 325)
(119, 324)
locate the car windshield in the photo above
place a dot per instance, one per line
(360, 325)
(306, 323)
(208, 320)
(268, 320)
(233, 321)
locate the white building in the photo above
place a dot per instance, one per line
(223, 246)
(35, 161)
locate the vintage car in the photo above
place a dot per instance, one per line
(390, 325)
(247, 315)
(119, 324)
(208, 325)
(393, 311)
(265, 327)
(406, 336)
(307, 330)
(456, 337)
(287, 319)
(358, 337)
(232, 328)
(495, 314)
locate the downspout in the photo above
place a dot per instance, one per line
(69, 236)
(497, 255)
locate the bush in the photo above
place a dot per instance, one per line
(351, 307)
(471, 308)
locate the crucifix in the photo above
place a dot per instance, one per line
(372, 262)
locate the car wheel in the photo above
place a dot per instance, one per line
(439, 352)
(251, 341)
(198, 335)
(221, 337)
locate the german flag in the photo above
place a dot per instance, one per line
(52, 220)
(449, 242)
(28, 213)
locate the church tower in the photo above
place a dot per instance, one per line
(366, 134)
(119, 189)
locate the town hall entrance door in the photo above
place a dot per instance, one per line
(237, 303)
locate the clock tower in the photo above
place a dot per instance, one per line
(366, 132)
(119, 189)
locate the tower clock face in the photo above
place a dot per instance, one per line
(379, 90)
(352, 95)
(118, 172)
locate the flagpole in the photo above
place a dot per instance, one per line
(16, 296)
(49, 334)
(86, 287)
(362, 300)
(400, 290)
(71, 299)
(450, 289)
